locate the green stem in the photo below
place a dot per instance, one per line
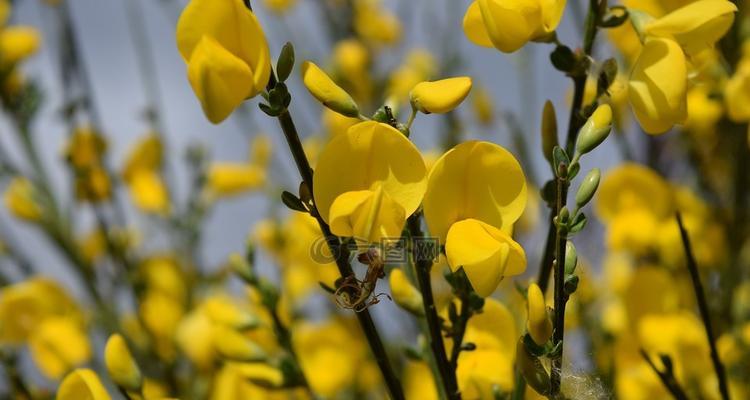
(703, 308)
(560, 297)
(423, 264)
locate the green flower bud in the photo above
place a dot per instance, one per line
(595, 130)
(532, 369)
(588, 187)
(549, 130)
(571, 258)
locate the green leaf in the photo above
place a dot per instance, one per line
(292, 202)
(563, 58)
(614, 17)
(578, 223)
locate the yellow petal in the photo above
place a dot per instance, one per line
(234, 27)
(478, 180)
(235, 346)
(696, 26)
(404, 293)
(326, 91)
(440, 96)
(631, 187)
(18, 43)
(367, 215)
(510, 24)
(658, 86)
(228, 179)
(220, 80)
(21, 199)
(121, 366)
(58, 345)
(82, 384)
(474, 26)
(539, 324)
(552, 12)
(149, 193)
(369, 155)
(486, 254)
(146, 154)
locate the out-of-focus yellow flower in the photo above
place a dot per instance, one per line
(24, 305)
(235, 346)
(483, 106)
(85, 148)
(376, 24)
(509, 25)
(475, 192)
(228, 179)
(704, 111)
(737, 92)
(22, 200)
(58, 345)
(279, 6)
(162, 273)
(226, 53)
(82, 384)
(539, 324)
(194, 335)
(696, 26)
(161, 316)
(630, 187)
(494, 334)
(370, 158)
(322, 87)
(142, 175)
(440, 96)
(331, 355)
(17, 43)
(404, 293)
(261, 149)
(419, 383)
(658, 86)
(351, 58)
(121, 366)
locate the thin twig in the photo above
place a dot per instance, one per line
(667, 378)
(703, 307)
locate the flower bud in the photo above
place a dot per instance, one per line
(549, 130)
(21, 199)
(327, 92)
(440, 96)
(405, 294)
(571, 258)
(121, 366)
(588, 187)
(539, 324)
(82, 383)
(595, 130)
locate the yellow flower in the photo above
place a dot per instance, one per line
(494, 334)
(336, 124)
(508, 25)
(658, 86)
(475, 192)
(24, 305)
(539, 324)
(485, 253)
(226, 52)
(419, 383)
(632, 187)
(228, 179)
(375, 24)
(82, 384)
(58, 345)
(418, 66)
(21, 199)
(371, 177)
(737, 93)
(149, 193)
(85, 148)
(440, 96)
(235, 346)
(146, 154)
(484, 107)
(320, 85)
(404, 293)
(17, 43)
(195, 337)
(121, 366)
(351, 58)
(696, 26)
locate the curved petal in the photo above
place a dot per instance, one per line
(367, 215)
(232, 25)
(440, 96)
(485, 253)
(474, 26)
(369, 155)
(82, 384)
(326, 91)
(697, 25)
(510, 24)
(552, 12)
(658, 86)
(474, 180)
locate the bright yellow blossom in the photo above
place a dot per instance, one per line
(539, 324)
(320, 85)
(82, 384)
(226, 53)
(440, 96)
(121, 366)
